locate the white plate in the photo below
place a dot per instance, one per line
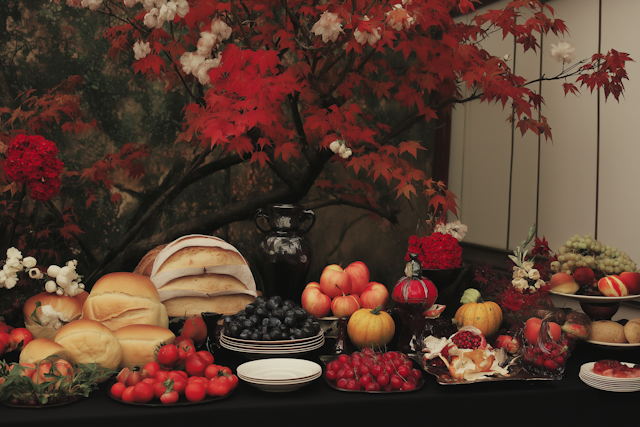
(301, 340)
(607, 387)
(597, 299)
(269, 345)
(276, 382)
(614, 344)
(279, 374)
(273, 351)
(264, 369)
(279, 388)
(587, 370)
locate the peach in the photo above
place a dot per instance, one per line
(612, 286)
(563, 283)
(532, 328)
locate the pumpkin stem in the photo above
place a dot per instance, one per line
(376, 310)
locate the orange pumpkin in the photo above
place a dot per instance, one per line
(371, 328)
(486, 316)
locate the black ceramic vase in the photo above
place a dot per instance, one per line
(284, 252)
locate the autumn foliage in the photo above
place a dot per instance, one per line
(279, 90)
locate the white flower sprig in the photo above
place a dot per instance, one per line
(525, 277)
(455, 228)
(61, 280)
(339, 146)
(563, 52)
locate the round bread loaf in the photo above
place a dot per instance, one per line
(145, 266)
(195, 306)
(53, 312)
(139, 343)
(632, 331)
(607, 331)
(42, 348)
(89, 341)
(121, 299)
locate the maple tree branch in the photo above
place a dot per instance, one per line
(14, 220)
(86, 250)
(236, 18)
(343, 75)
(296, 23)
(389, 215)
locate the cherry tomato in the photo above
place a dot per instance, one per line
(170, 397)
(179, 385)
(20, 337)
(201, 380)
(128, 394)
(162, 376)
(219, 386)
(143, 392)
(159, 389)
(133, 378)
(117, 389)
(195, 391)
(184, 352)
(196, 329)
(233, 380)
(5, 328)
(178, 374)
(168, 355)
(211, 371)
(150, 369)
(206, 355)
(5, 341)
(150, 380)
(183, 341)
(195, 365)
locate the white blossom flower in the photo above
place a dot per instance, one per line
(151, 18)
(520, 284)
(50, 286)
(202, 72)
(53, 271)
(533, 274)
(527, 265)
(335, 145)
(14, 253)
(329, 26)
(10, 282)
(220, 29)
(190, 61)
(365, 34)
(519, 273)
(167, 12)
(457, 230)
(13, 264)
(141, 49)
(182, 8)
(35, 273)
(130, 3)
(563, 52)
(148, 4)
(539, 283)
(59, 292)
(91, 4)
(346, 154)
(29, 262)
(506, 57)
(63, 281)
(399, 18)
(206, 42)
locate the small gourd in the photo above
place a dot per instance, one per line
(371, 328)
(486, 316)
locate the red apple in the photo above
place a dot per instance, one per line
(563, 283)
(315, 302)
(612, 286)
(359, 275)
(373, 295)
(532, 328)
(507, 342)
(334, 281)
(632, 280)
(345, 305)
(584, 276)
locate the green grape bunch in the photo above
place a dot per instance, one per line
(588, 252)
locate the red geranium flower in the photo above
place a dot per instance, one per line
(437, 251)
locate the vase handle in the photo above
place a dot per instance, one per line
(308, 212)
(261, 214)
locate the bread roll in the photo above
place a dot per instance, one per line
(607, 331)
(139, 343)
(145, 266)
(632, 331)
(121, 299)
(198, 273)
(42, 348)
(54, 311)
(89, 341)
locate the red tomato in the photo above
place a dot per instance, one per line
(162, 376)
(117, 389)
(201, 380)
(195, 329)
(5, 328)
(128, 394)
(179, 385)
(183, 341)
(133, 378)
(5, 341)
(206, 355)
(143, 392)
(195, 365)
(159, 389)
(168, 355)
(219, 386)
(170, 397)
(211, 371)
(178, 374)
(20, 337)
(195, 391)
(184, 351)
(233, 380)
(150, 369)
(150, 380)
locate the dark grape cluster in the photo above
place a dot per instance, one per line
(271, 319)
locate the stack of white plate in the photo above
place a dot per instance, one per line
(608, 383)
(279, 374)
(266, 349)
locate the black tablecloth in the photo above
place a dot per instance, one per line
(516, 403)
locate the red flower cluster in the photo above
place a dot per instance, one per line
(32, 160)
(436, 252)
(511, 300)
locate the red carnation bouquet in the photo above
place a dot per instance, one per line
(437, 251)
(32, 160)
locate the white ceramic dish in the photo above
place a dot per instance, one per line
(614, 344)
(598, 299)
(279, 374)
(268, 344)
(284, 342)
(272, 351)
(276, 382)
(609, 387)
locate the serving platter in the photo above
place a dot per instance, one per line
(624, 345)
(598, 298)
(182, 401)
